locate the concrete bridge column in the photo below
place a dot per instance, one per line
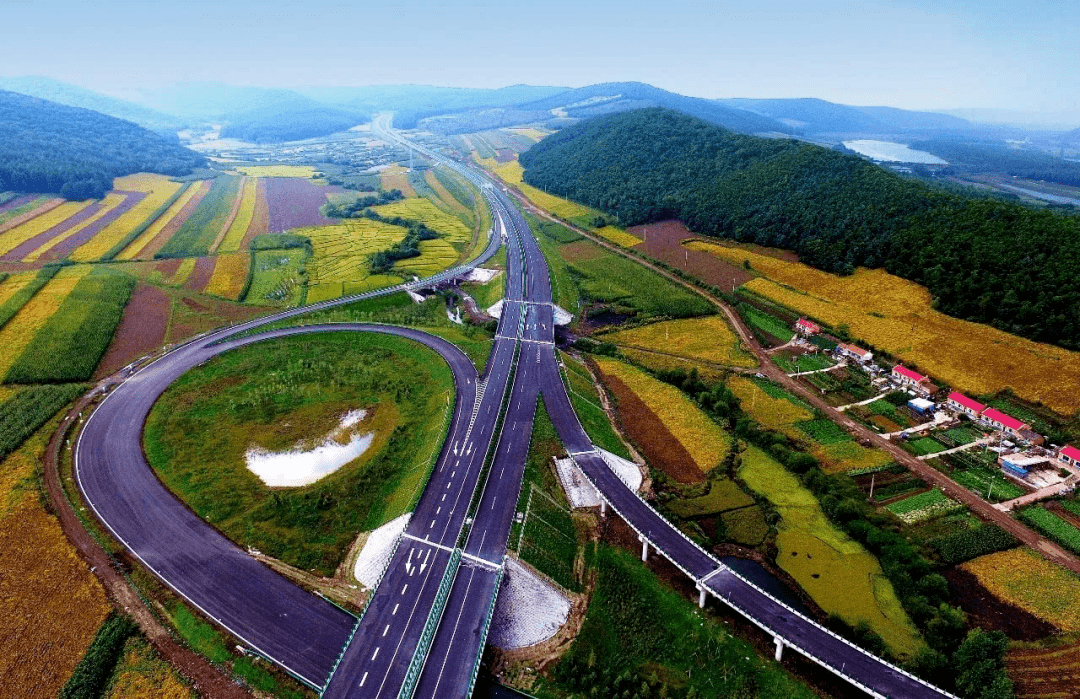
(779, 647)
(644, 549)
(603, 507)
(701, 597)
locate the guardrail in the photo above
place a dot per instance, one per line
(416, 665)
(485, 628)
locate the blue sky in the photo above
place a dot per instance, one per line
(906, 53)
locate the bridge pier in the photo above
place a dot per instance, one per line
(644, 549)
(603, 507)
(701, 597)
(779, 647)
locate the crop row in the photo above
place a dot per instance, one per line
(199, 231)
(1052, 526)
(107, 244)
(72, 341)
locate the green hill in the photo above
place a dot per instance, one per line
(987, 261)
(49, 147)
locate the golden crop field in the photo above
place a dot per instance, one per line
(435, 256)
(509, 172)
(143, 674)
(158, 188)
(18, 235)
(617, 236)
(666, 362)
(835, 570)
(699, 435)
(1024, 578)
(132, 251)
(535, 134)
(42, 205)
(20, 330)
(235, 235)
(708, 339)
(54, 605)
(10, 286)
(110, 202)
(230, 275)
(339, 263)
(422, 210)
(303, 171)
(896, 315)
(396, 177)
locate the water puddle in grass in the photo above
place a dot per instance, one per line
(300, 466)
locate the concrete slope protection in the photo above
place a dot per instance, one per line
(298, 630)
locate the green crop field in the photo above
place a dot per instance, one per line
(836, 571)
(198, 232)
(765, 322)
(804, 362)
(1052, 526)
(22, 414)
(824, 431)
(746, 526)
(586, 401)
(278, 278)
(923, 446)
(278, 393)
(73, 340)
(723, 495)
(923, 506)
(980, 480)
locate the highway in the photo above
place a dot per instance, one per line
(423, 631)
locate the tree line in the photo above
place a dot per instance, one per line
(987, 261)
(51, 148)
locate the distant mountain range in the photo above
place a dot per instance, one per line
(74, 96)
(818, 116)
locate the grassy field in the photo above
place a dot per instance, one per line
(278, 278)
(586, 401)
(897, 316)
(723, 495)
(1053, 526)
(396, 177)
(837, 572)
(201, 229)
(708, 339)
(564, 291)
(1024, 578)
(143, 674)
(641, 638)
(282, 391)
(698, 434)
(73, 339)
(339, 264)
(486, 295)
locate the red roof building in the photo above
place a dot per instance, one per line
(964, 404)
(907, 375)
(1071, 454)
(996, 417)
(856, 351)
(807, 327)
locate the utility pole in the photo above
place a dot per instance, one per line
(873, 477)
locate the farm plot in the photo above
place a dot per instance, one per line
(1053, 526)
(20, 288)
(458, 207)
(230, 275)
(158, 190)
(196, 235)
(923, 506)
(22, 209)
(700, 437)
(836, 571)
(396, 177)
(114, 205)
(71, 342)
(708, 339)
(141, 330)
(54, 605)
(897, 316)
(277, 278)
(232, 235)
(339, 264)
(20, 331)
(824, 431)
(1024, 578)
(200, 275)
(768, 404)
(435, 256)
(923, 446)
(146, 245)
(723, 495)
(793, 362)
(295, 203)
(304, 171)
(766, 323)
(142, 674)
(585, 397)
(21, 241)
(617, 236)
(602, 277)
(422, 210)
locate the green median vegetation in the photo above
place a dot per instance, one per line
(283, 392)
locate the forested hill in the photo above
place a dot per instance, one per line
(48, 147)
(987, 261)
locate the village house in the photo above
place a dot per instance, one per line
(962, 404)
(859, 354)
(1070, 455)
(1000, 421)
(806, 327)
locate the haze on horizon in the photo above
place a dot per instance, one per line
(916, 54)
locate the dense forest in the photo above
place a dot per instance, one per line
(983, 157)
(988, 261)
(48, 147)
(290, 123)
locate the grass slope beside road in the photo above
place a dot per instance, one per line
(280, 392)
